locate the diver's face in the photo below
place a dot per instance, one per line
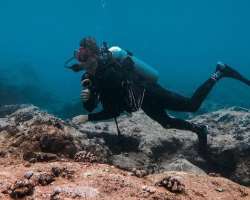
(90, 65)
(82, 54)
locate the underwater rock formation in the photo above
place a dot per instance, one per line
(31, 140)
(101, 181)
(144, 144)
(41, 136)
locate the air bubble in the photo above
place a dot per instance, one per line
(103, 3)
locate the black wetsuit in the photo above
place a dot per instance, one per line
(107, 89)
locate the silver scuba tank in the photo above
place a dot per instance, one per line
(141, 67)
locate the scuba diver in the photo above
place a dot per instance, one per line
(123, 83)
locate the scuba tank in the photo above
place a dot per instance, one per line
(142, 68)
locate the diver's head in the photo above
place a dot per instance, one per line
(87, 54)
(90, 44)
(88, 49)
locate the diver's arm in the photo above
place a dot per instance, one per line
(91, 103)
(103, 115)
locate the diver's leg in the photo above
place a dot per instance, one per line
(157, 113)
(222, 71)
(227, 71)
(176, 102)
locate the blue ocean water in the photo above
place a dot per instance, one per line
(183, 40)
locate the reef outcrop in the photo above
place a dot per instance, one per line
(44, 157)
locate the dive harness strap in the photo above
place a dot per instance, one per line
(137, 105)
(117, 127)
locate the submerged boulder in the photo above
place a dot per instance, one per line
(229, 148)
(143, 146)
(41, 137)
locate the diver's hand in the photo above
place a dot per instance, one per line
(81, 119)
(86, 83)
(85, 95)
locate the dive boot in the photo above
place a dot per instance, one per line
(202, 132)
(225, 70)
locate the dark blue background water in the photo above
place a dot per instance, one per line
(182, 39)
